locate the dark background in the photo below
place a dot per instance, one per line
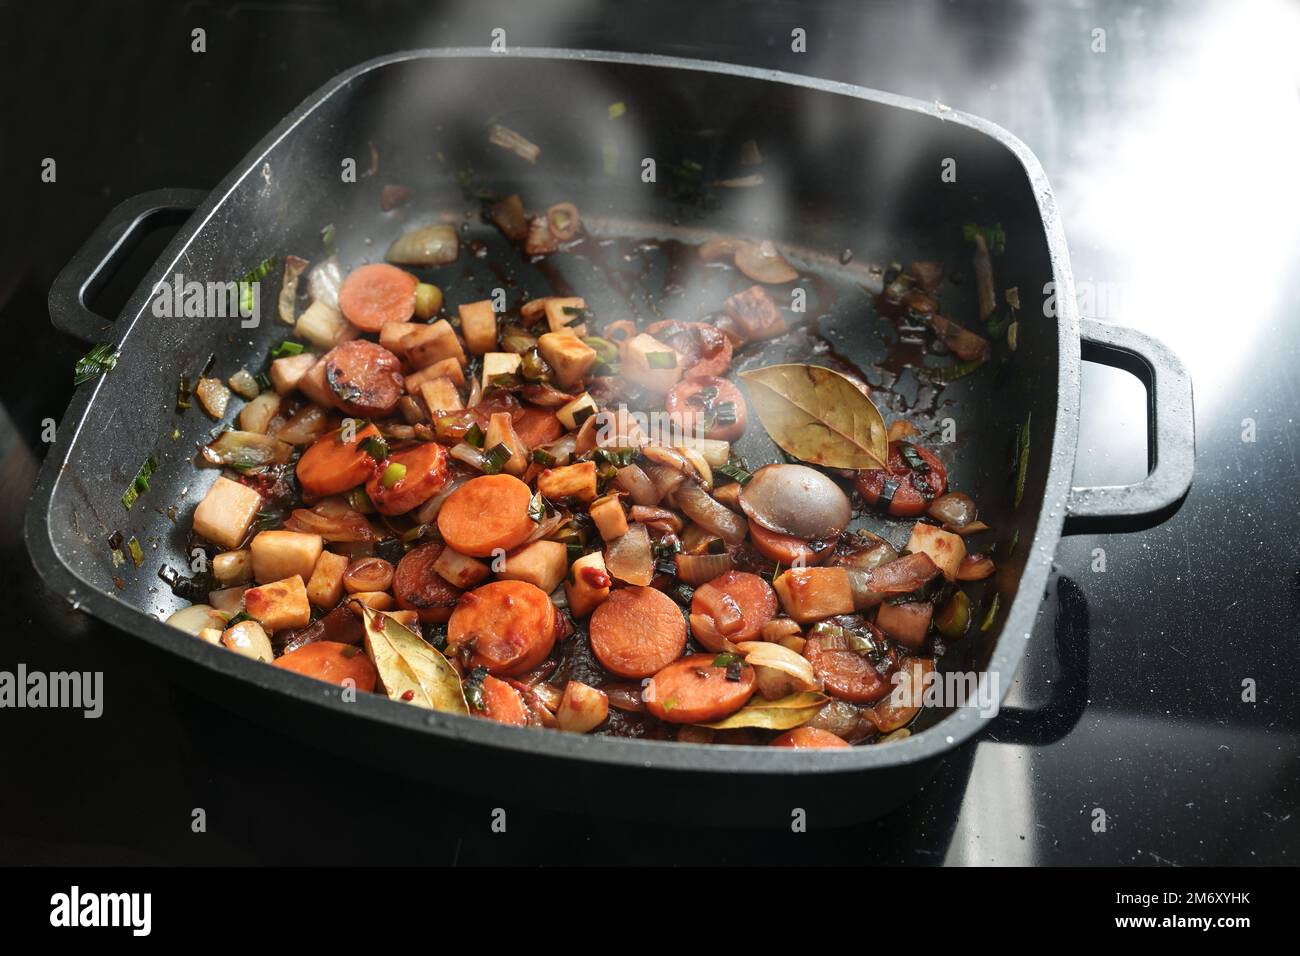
(1172, 155)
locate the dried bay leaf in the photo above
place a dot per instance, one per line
(818, 416)
(411, 670)
(784, 714)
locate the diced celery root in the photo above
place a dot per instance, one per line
(226, 513)
(283, 554)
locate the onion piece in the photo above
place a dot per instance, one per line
(213, 395)
(466, 453)
(196, 617)
(636, 483)
(902, 576)
(563, 220)
(975, 567)
(662, 518)
(724, 247)
(434, 245)
(323, 282)
(864, 596)
(561, 449)
(242, 450)
(286, 306)
(339, 526)
(865, 559)
(700, 507)
(307, 425)
(762, 262)
(629, 558)
(428, 511)
(626, 697)
(955, 510)
(984, 278)
(665, 480)
(699, 464)
(697, 569)
(775, 657)
(507, 138)
(796, 500)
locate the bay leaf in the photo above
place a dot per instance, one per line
(411, 670)
(818, 416)
(783, 714)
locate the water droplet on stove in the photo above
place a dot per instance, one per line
(846, 257)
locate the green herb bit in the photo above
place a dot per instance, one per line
(140, 483)
(102, 358)
(495, 458)
(137, 553)
(617, 109)
(376, 448)
(661, 360)
(474, 435)
(394, 473)
(287, 349)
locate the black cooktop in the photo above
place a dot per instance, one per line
(1164, 131)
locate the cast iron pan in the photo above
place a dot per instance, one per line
(844, 168)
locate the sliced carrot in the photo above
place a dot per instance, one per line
(537, 426)
(700, 401)
(808, 738)
(418, 587)
(846, 673)
(424, 475)
(331, 662)
(503, 703)
(507, 626)
(693, 691)
(374, 295)
(487, 513)
(785, 549)
(737, 604)
(637, 631)
(907, 492)
(331, 466)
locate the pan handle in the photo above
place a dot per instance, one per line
(101, 255)
(1171, 435)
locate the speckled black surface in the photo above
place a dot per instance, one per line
(1155, 198)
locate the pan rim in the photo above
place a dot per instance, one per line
(953, 731)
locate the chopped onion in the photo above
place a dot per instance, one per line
(762, 262)
(700, 507)
(699, 464)
(624, 697)
(507, 138)
(213, 396)
(431, 246)
(697, 569)
(323, 282)
(346, 525)
(468, 454)
(242, 450)
(864, 597)
(308, 424)
(661, 518)
(955, 509)
(561, 449)
(664, 479)
(293, 268)
(196, 617)
(789, 673)
(902, 576)
(975, 567)
(864, 559)
(629, 558)
(636, 483)
(429, 510)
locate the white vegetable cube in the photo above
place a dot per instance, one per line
(652, 364)
(946, 550)
(441, 395)
(325, 586)
(233, 567)
(460, 570)
(582, 708)
(323, 326)
(540, 563)
(433, 343)
(286, 372)
(609, 517)
(500, 363)
(279, 604)
(226, 513)
(570, 481)
(577, 411)
(587, 584)
(563, 312)
(282, 554)
(568, 355)
(478, 323)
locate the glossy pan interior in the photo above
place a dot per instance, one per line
(843, 168)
